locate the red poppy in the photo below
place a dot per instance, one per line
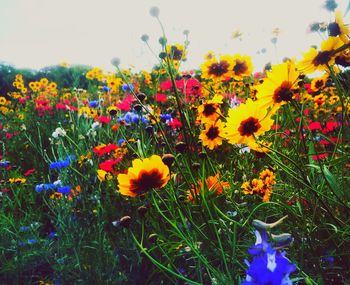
(101, 150)
(315, 126)
(174, 123)
(103, 119)
(125, 105)
(161, 98)
(109, 165)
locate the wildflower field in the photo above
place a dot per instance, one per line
(216, 175)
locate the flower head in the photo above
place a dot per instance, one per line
(320, 60)
(246, 122)
(143, 176)
(279, 86)
(269, 266)
(211, 136)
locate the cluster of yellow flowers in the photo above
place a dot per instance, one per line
(19, 83)
(42, 85)
(95, 73)
(261, 186)
(3, 103)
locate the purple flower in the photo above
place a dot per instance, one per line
(269, 266)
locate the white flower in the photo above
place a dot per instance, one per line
(95, 125)
(59, 132)
(58, 183)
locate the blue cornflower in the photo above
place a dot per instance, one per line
(64, 189)
(132, 118)
(42, 187)
(165, 117)
(94, 104)
(120, 142)
(127, 87)
(24, 229)
(4, 163)
(52, 234)
(106, 89)
(59, 164)
(62, 163)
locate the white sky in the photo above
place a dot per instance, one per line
(37, 33)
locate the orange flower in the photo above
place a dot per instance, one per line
(212, 184)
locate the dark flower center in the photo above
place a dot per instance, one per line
(213, 133)
(113, 112)
(319, 84)
(240, 67)
(322, 57)
(342, 60)
(218, 68)
(146, 181)
(334, 29)
(176, 53)
(209, 109)
(283, 92)
(249, 126)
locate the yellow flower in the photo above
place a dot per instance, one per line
(103, 175)
(44, 81)
(114, 83)
(268, 177)
(343, 58)
(217, 70)
(320, 60)
(251, 187)
(209, 55)
(52, 86)
(3, 101)
(260, 146)
(246, 122)
(333, 99)
(17, 180)
(143, 176)
(241, 67)
(319, 82)
(176, 52)
(338, 28)
(210, 111)
(279, 85)
(211, 136)
(88, 112)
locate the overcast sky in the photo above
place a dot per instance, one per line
(37, 33)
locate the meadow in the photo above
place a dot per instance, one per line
(216, 175)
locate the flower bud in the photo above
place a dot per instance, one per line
(154, 11)
(168, 159)
(180, 147)
(125, 221)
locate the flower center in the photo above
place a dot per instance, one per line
(209, 109)
(322, 57)
(219, 68)
(213, 133)
(319, 84)
(240, 67)
(176, 53)
(249, 126)
(283, 92)
(146, 181)
(334, 29)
